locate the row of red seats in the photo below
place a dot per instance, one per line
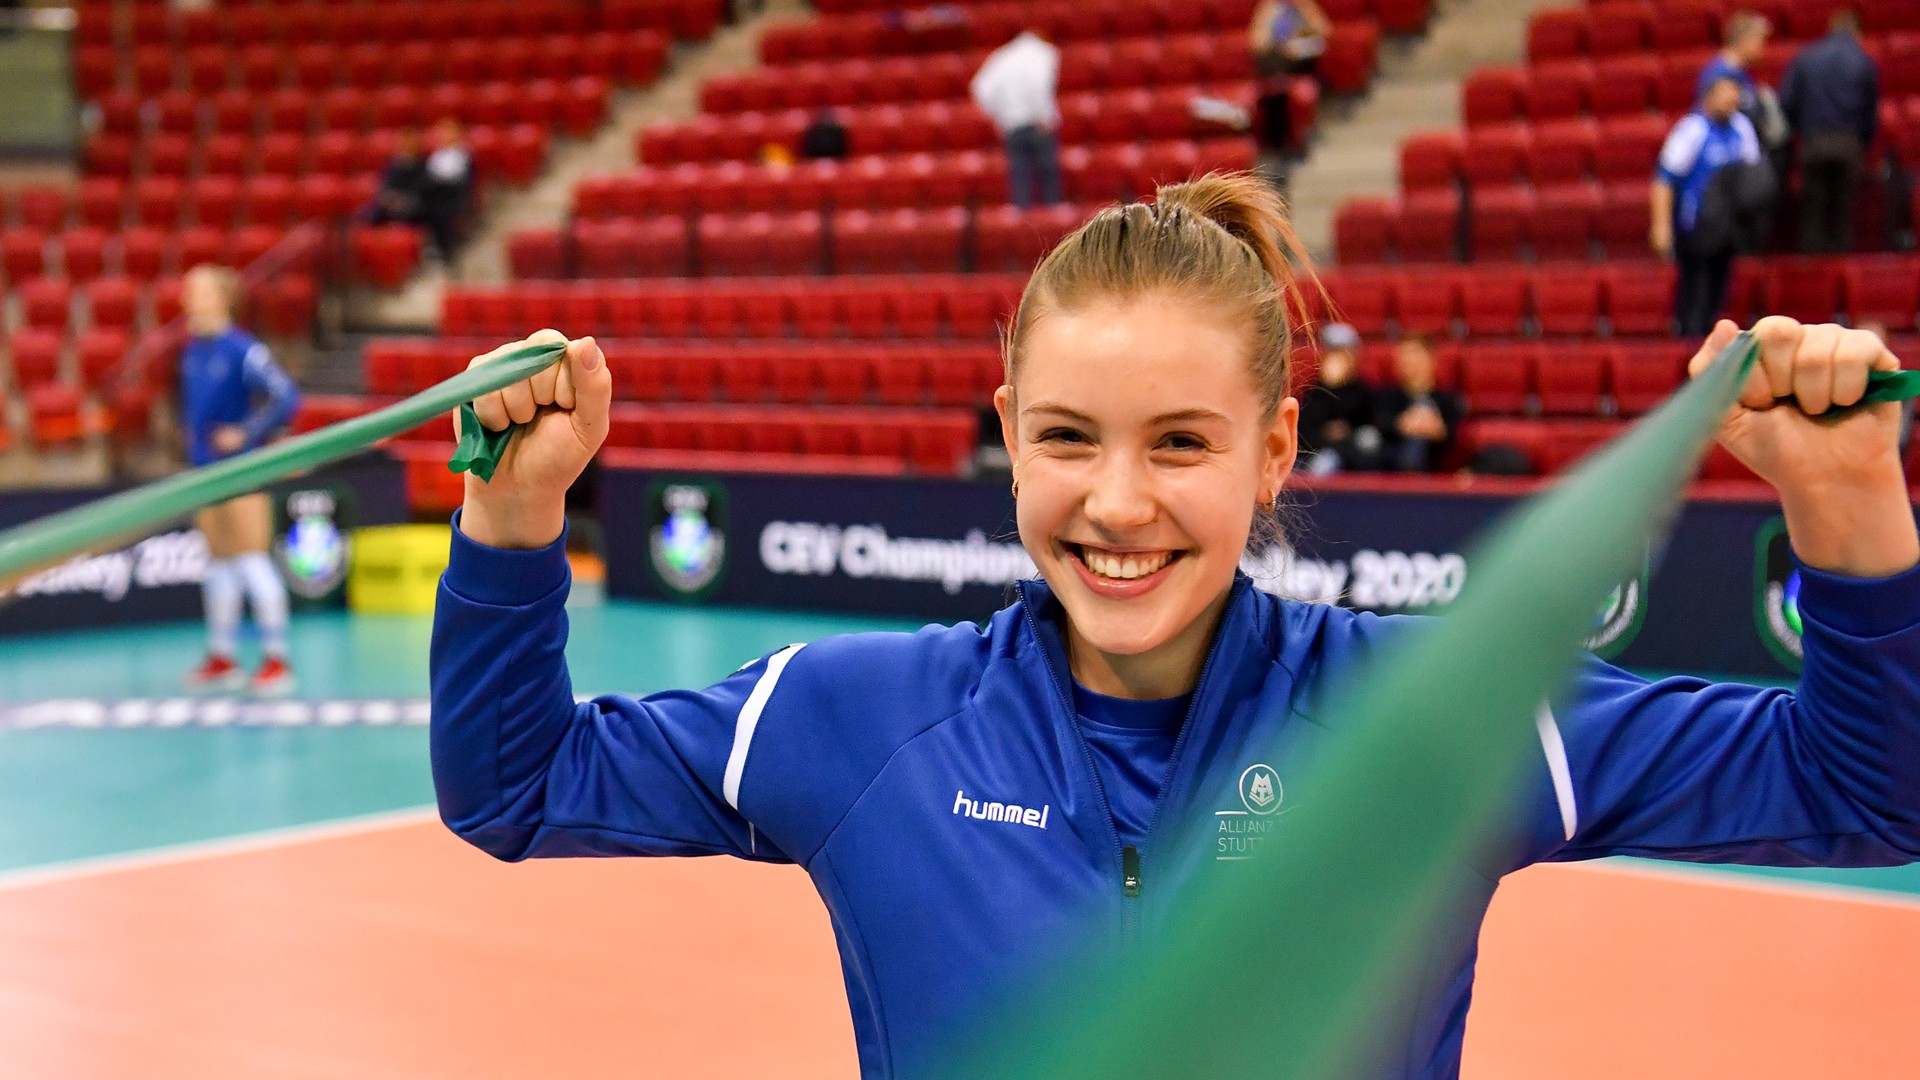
(1623, 298)
(270, 199)
(144, 253)
(1397, 16)
(933, 441)
(925, 307)
(1086, 65)
(1533, 378)
(701, 372)
(998, 239)
(1632, 84)
(1630, 27)
(876, 182)
(284, 305)
(514, 154)
(633, 58)
(1623, 148)
(347, 24)
(1124, 116)
(1565, 221)
(575, 104)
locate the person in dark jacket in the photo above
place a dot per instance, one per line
(403, 184)
(825, 137)
(978, 805)
(1831, 96)
(1336, 412)
(1415, 416)
(449, 191)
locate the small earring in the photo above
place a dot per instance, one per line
(1272, 505)
(1016, 487)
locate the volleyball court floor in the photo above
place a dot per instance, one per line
(214, 889)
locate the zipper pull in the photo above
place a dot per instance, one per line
(1130, 870)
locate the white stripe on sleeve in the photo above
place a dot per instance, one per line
(1683, 145)
(1556, 751)
(749, 719)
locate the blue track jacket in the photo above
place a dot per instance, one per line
(937, 789)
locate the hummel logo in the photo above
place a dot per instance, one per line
(992, 811)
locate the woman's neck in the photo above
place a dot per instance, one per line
(1168, 671)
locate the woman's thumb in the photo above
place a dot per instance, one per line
(592, 389)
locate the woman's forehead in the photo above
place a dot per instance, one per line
(1148, 349)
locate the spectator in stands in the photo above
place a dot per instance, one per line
(449, 190)
(1336, 412)
(1831, 97)
(1287, 38)
(1702, 144)
(233, 398)
(1415, 417)
(1743, 42)
(403, 184)
(1016, 87)
(825, 136)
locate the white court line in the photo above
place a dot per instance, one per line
(1691, 874)
(198, 850)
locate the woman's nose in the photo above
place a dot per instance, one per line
(1120, 497)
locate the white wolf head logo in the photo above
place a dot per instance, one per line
(1260, 789)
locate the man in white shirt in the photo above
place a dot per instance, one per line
(1016, 88)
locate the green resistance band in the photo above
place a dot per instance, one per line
(1302, 962)
(132, 513)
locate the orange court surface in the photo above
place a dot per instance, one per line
(230, 898)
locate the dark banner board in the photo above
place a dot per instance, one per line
(158, 578)
(1717, 599)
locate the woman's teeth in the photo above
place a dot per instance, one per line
(1124, 567)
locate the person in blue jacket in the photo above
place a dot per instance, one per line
(972, 800)
(233, 397)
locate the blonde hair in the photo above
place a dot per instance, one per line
(1223, 239)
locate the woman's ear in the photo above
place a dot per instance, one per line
(1282, 445)
(1003, 404)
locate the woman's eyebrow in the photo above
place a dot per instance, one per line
(1180, 416)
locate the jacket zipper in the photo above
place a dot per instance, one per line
(1130, 875)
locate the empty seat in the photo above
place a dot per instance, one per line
(36, 355)
(1807, 289)
(1640, 298)
(1570, 379)
(1618, 29)
(1494, 300)
(1497, 154)
(23, 253)
(83, 253)
(1556, 34)
(1621, 226)
(1492, 96)
(1501, 215)
(112, 302)
(1430, 160)
(1643, 374)
(1427, 301)
(46, 303)
(99, 351)
(1427, 228)
(1556, 91)
(1628, 148)
(1883, 291)
(1363, 298)
(1623, 86)
(1363, 230)
(1562, 151)
(1497, 378)
(1567, 299)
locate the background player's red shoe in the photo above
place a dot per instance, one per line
(216, 673)
(274, 677)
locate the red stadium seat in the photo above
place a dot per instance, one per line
(99, 350)
(1623, 86)
(23, 253)
(56, 411)
(1556, 34)
(1885, 291)
(142, 252)
(1624, 220)
(1566, 299)
(1494, 300)
(1497, 154)
(1645, 373)
(537, 253)
(1563, 222)
(1500, 217)
(199, 244)
(36, 355)
(215, 200)
(1428, 227)
(83, 253)
(43, 207)
(1807, 289)
(1679, 26)
(1568, 441)
(1497, 378)
(1640, 297)
(1363, 298)
(1619, 29)
(1427, 301)
(1529, 437)
(1679, 77)
(1431, 160)
(46, 303)
(112, 302)
(1628, 148)
(1571, 378)
(1492, 96)
(1562, 151)
(915, 311)
(1556, 91)
(1363, 230)
(385, 255)
(103, 201)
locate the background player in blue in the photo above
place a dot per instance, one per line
(973, 801)
(233, 398)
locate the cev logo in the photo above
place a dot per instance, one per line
(1260, 790)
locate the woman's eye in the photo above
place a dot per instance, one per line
(1182, 442)
(1065, 435)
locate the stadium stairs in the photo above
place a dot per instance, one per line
(1417, 88)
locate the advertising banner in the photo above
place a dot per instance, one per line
(158, 578)
(1718, 599)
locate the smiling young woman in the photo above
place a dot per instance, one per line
(1143, 691)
